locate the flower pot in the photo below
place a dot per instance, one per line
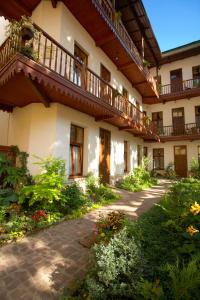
(27, 33)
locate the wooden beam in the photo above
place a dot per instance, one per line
(54, 3)
(125, 127)
(39, 92)
(105, 40)
(139, 83)
(104, 117)
(125, 66)
(143, 32)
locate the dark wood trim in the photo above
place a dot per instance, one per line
(39, 92)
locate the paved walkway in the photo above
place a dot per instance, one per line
(39, 266)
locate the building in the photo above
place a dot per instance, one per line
(89, 94)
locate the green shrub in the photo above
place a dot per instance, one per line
(185, 279)
(48, 186)
(11, 175)
(139, 179)
(74, 198)
(99, 193)
(170, 172)
(117, 269)
(110, 224)
(195, 168)
(150, 290)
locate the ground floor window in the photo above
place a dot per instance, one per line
(145, 151)
(158, 159)
(199, 154)
(76, 150)
(139, 155)
(125, 156)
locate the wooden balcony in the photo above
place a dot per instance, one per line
(185, 89)
(101, 21)
(55, 75)
(190, 131)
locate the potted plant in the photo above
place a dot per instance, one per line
(25, 29)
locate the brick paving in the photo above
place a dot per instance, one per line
(39, 266)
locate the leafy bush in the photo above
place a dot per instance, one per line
(139, 179)
(170, 172)
(48, 186)
(74, 198)
(99, 192)
(14, 175)
(117, 268)
(110, 224)
(195, 169)
(185, 279)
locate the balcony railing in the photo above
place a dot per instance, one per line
(189, 129)
(183, 86)
(50, 54)
(109, 11)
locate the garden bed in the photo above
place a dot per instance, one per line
(154, 257)
(29, 204)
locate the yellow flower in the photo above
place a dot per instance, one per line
(195, 209)
(191, 230)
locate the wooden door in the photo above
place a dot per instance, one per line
(80, 64)
(178, 120)
(105, 90)
(157, 119)
(104, 156)
(180, 160)
(176, 79)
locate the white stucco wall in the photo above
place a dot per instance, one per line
(3, 24)
(44, 131)
(188, 104)
(4, 123)
(184, 64)
(65, 28)
(192, 150)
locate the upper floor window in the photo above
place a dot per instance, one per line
(176, 79)
(196, 76)
(106, 92)
(157, 118)
(82, 58)
(197, 115)
(125, 93)
(76, 150)
(196, 72)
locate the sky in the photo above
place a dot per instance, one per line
(174, 22)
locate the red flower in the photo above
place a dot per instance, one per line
(38, 215)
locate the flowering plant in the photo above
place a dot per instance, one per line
(40, 214)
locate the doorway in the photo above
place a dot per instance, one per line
(180, 160)
(176, 79)
(104, 156)
(178, 121)
(105, 89)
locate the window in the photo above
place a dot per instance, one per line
(197, 115)
(139, 155)
(145, 151)
(158, 159)
(106, 92)
(76, 150)
(196, 72)
(196, 76)
(125, 156)
(82, 58)
(157, 118)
